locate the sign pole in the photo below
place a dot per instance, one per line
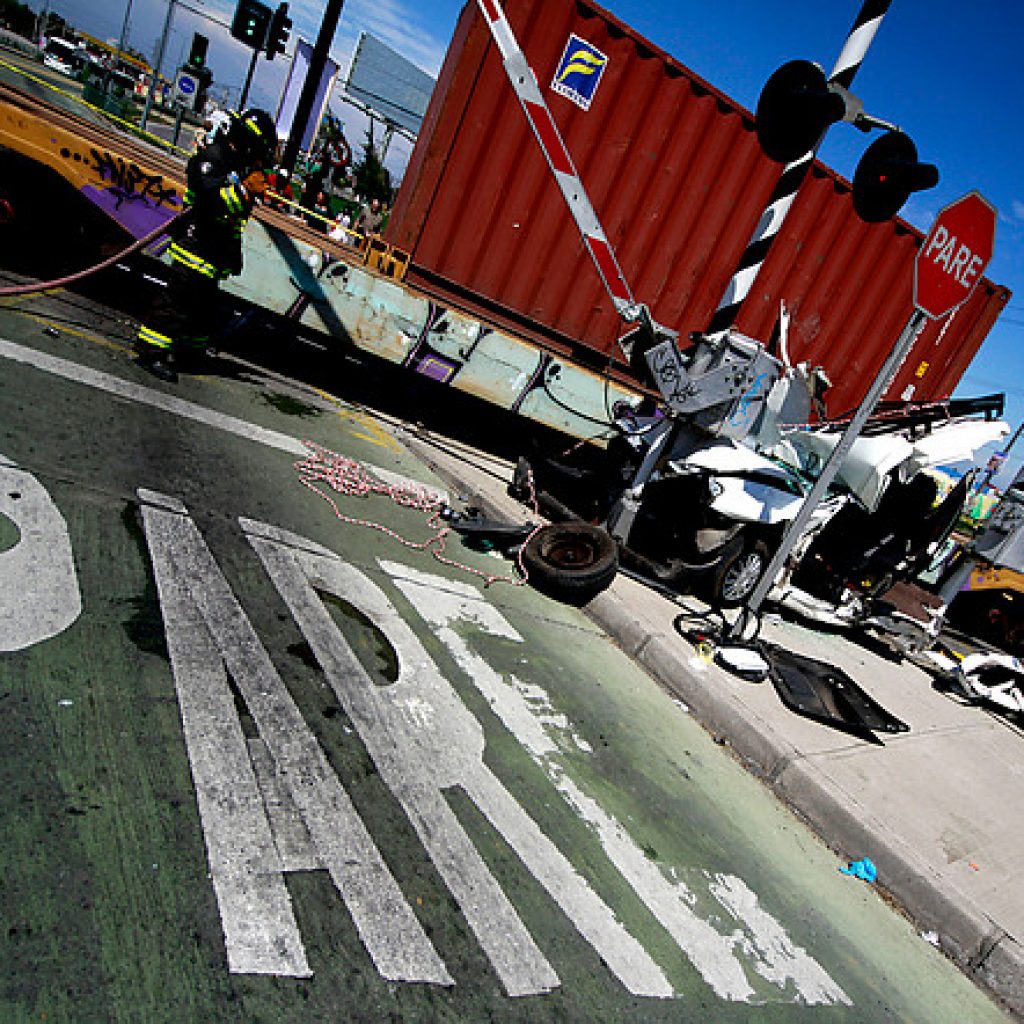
(900, 351)
(161, 46)
(248, 80)
(177, 123)
(947, 269)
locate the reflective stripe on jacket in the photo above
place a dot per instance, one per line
(189, 259)
(154, 338)
(220, 206)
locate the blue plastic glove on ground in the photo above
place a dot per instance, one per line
(864, 869)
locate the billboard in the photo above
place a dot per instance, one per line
(393, 88)
(293, 89)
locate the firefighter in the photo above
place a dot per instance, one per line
(224, 177)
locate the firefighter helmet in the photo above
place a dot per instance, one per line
(254, 133)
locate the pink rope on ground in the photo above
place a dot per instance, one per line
(349, 478)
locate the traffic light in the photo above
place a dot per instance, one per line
(204, 78)
(197, 55)
(795, 107)
(886, 175)
(277, 36)
(250, 23)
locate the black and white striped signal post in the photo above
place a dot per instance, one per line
(781, 200)
(947, 269)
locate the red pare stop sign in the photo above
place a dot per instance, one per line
(954, 256)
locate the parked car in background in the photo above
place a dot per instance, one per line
(63, 56)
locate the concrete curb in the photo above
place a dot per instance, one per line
(981, 949)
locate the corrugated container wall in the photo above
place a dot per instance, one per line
(675, 173)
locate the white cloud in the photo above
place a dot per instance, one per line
(395, 22)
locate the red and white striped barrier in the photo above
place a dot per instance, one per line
(524, 83)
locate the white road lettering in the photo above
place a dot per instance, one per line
(207, 632)
(424, 740)
(527, 713)
(273, 804)
(39, 595)
(775, 955)
(260, 932)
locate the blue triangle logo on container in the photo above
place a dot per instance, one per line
(579, 71)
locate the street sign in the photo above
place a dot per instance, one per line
(186, 86)
(954, 255)
(948, 266)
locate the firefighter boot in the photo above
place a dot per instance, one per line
(158, 362)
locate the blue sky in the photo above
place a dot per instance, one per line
(948, 73)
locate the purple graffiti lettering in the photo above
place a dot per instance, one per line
(128, 182)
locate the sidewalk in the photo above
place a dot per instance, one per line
(937, 808)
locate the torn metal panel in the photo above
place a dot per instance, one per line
(827, 694)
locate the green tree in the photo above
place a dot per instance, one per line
(18, 17)
(373, 179)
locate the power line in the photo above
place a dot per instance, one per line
(204, 14)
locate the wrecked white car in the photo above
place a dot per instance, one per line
(699, 498)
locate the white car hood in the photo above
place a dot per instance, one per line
(731, 457)
(739, 497)
(957, 442)
(866, 469)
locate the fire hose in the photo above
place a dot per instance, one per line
(63, 282)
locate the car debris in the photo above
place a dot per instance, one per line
(829, 695)
(996, 680)
(697, 493)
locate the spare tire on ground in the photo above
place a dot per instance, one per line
(572, 561)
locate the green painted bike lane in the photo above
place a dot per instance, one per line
(281, 768)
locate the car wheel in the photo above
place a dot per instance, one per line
(738, 575)
(571, 561)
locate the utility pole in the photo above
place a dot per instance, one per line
(317, 63)
(248, 80)
(161, 47)
(122, 41)
(44, 17)
(109, 76)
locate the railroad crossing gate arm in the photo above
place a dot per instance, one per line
(524, 83)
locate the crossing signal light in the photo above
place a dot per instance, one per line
(197, 55)
(887, 174)
(250, 23)
(795, 107)
(277, 36)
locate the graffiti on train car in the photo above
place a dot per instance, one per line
(130, 183)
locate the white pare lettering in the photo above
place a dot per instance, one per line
(956, 258)
(39, 595)
(272, 804)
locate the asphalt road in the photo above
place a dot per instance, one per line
(33, 77)
(265, 762)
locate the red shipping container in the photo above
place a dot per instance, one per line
(678, 180)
